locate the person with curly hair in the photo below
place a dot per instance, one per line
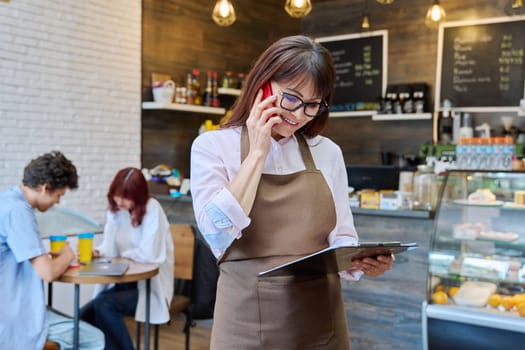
(26, 323)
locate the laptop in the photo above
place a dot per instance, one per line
(104, 269)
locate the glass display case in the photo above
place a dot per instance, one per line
(476, 278)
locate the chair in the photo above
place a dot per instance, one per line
(51, 345)
(183, 238)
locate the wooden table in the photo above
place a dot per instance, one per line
(135, 272)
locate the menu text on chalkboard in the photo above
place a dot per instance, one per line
(481, 63)
(360, 63)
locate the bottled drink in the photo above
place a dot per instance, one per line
(240, 80)
(196, 85)
(475, 153)
(425, 188)
(483, 153)
(498, 156)
(190, 92)
(396, 104)
(215, 90)
(469, 152)
(509, 150)
(419, 102)
(407, 105)
(227, 80)
(208, 91)
(387, 104)
(461, 154)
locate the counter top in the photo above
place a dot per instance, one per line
(411, 214)
(414, 214)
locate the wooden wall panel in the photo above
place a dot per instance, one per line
(412, 54)
(180, 35)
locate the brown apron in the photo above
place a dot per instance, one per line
(291, 217)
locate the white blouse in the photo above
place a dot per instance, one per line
(215, 160)
(150, 242)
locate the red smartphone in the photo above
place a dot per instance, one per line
(267, 90)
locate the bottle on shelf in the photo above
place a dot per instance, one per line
(461, 154)
(190, 91)
(475, 153)
(497, 153)
(425, 188)
(484, 153)
(418, 101)
(445, 126)
(387, 103)
(396, 104)
(196, 85)
(408, 103)
(509, 150)
(215, 90)
(208, 90)
(227, 80)
(240, 80)
(469, 152)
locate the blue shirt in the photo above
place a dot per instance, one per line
(22, 301)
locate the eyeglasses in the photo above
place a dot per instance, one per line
(292, 103)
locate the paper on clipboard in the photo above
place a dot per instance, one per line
(336, 258)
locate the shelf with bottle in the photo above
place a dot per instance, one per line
(229, 91)
(404, 102)
(401, 116)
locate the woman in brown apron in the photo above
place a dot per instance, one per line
(268, 189)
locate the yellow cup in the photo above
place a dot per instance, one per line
(57, 242)
(85, 247)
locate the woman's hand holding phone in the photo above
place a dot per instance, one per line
(263, 116)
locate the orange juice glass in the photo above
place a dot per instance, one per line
(85, 247)
(57, 242)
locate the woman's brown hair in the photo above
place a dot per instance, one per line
(129, 183)
(285, 60)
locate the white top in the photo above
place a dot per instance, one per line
(215, 160)
(150, 242)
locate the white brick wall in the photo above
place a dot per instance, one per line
(70, 80)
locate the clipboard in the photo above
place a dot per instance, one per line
(336, 258)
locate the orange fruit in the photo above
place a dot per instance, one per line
(452, 291)
(518, 299)
(440, 288)
(507, 302)
(440, 297)
(495, 300)
(521, 309)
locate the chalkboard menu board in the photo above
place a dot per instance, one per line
(481, 63)
(360, 62)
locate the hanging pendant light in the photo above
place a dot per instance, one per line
(385, 2)
(298, 8)
(223, 13)
(365, 22)
(514, 8)
(435, 15)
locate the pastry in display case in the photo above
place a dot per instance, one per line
(476, 278)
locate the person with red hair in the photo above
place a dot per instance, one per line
(136, 228)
